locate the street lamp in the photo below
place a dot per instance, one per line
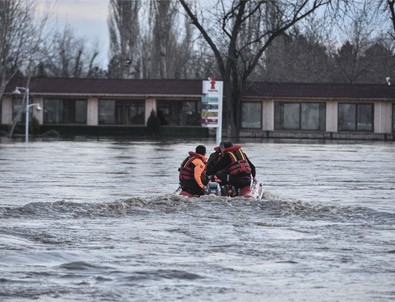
(38, 108)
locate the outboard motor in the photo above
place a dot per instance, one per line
(213, 188)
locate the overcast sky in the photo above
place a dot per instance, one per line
(88, 18)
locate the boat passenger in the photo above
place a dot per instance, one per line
(235, 161)
(192, 172)
(214, 157)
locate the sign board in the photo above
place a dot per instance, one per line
(210, 111)
(212, 105)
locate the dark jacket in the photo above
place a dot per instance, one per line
(226, 161)
(214, 158)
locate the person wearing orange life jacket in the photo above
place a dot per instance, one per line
(239, 167)
(192, 172)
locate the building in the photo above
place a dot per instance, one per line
(269, 110)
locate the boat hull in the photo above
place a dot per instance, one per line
(255, 191)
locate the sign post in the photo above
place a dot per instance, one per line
(212, 106)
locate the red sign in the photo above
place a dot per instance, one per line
(212, 82)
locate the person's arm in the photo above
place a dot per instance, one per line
(198, 171)
(204, 178)
(221, 164)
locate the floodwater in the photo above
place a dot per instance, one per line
(97, 220)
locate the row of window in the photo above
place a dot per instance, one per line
(287, 116)
(299, 116)
(310, 116)
(116, 112)
(121, 112)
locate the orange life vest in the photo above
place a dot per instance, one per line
(187, 171)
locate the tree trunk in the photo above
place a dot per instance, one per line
(237, 46)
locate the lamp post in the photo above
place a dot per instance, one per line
(38, 108)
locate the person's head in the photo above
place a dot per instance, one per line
(201, 150)
(225, 145)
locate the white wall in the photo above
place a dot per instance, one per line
(331, 116)
(268, 115)
(6, 112)
(382, 117)
(92, 112)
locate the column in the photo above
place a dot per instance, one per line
(92, 111)
(331, 116)
(268, 115)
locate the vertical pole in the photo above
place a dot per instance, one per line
(220, 108)
(219, 132)
(27, 117)
(219, 127)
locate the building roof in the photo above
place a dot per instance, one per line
(320, 90)
(193, 88)
(108, 86)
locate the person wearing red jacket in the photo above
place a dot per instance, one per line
(235, 161)
(192, 172)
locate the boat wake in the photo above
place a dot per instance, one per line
(269, 205)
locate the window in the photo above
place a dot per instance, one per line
(251, 115)
(176, 113)
(355, 117)
(136, 113)
(122, 112)
(80, 111)
(299, 116)
(311, 116)
(59, 111)
(106, 112)
(291, 116)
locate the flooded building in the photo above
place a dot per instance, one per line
(268, 110)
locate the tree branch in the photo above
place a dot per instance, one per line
(196, 22)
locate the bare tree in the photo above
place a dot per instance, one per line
(236, 53)
(164, 12)
(20, 37)
(348, 63)
(296, 59)
(150, 39)
(202, 63)
(69, 56)
(360, 28)
(314, 52)
(125, 46)
(172, 41)
(389, 5)
(379, 62)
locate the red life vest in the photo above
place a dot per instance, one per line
(187, 171)
(239, 165)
